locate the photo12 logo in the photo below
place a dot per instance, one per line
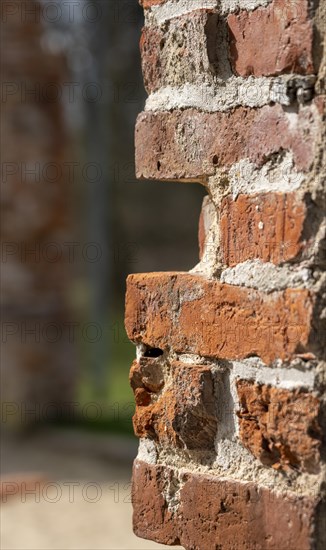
(51, 92)
(49, 11)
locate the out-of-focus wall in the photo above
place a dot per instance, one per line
(75, 220)
(37, 364)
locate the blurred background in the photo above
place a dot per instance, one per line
(74, 224)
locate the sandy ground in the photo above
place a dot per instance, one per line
(79, 493)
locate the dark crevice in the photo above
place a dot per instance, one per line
(153, 352)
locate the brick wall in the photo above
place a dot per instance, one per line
(230, 372)
(37, 360)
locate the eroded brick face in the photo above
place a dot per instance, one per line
(280, 427)
(182, 53)
(183, 414)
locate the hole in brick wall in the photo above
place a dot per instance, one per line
(161, 222)
(215, 160)
(158, 165)
(153, 352)
(223, 508)
(313, 431)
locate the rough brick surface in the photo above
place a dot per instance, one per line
(147, 374)
(193, 315)
(190, 145)
(273, 40)
(184, 414)
(280, 427)
(186, 52)
(218, 513)
(265, 226)
(152, 518)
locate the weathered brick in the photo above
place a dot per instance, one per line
(266, 226)
(191, 314)
(202, 512)
(184, 52)
(147, 373)
(152, 518)
(280, 427)
(151, 43)
(273, 40)
(184, 413)
(190, 144)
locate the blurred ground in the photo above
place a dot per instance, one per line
(80, 496)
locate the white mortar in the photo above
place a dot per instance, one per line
(175, 8)
(267, 277)
(221, 95)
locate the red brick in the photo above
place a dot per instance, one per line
(191, 314)
(151, 517)
(151, 42)
(184, 413)
(280, 427)
(211, 513)
(266, 226)
(273, 40)
(190, 144)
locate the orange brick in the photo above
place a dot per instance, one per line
(280, 427)
(191, 314)
(266, 226)
(183, 414)
(150, 3)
